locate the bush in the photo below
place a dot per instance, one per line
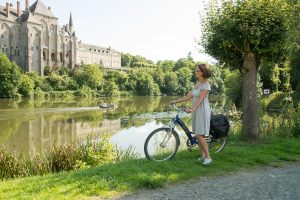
(89, 75)
(57, 82)
(38, 93)
(120, 78)
(184, 80)
(26, 86)
(275, 101)
(63, 71)
(171, 83)
(110, 89)
(296, 95)
(47, 71)
(38, 80)
(85, 91)
(63, 158)
(233, 85)
(10, 75)
(146, 85)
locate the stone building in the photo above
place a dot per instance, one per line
(33, 39)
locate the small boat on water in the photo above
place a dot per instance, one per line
(105, 105)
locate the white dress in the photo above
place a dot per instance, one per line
(201, 117)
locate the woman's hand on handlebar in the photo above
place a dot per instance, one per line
(189, 110)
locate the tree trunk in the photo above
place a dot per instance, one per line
(250, 104)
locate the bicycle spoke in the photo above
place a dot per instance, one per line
(161, 145)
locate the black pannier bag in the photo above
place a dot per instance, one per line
(219, 126)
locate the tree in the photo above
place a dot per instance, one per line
(171, 83)
(184, 62)
(166, 65)
(184, 80)
(146, 85)
(10, 75)
(270, 75)
(89, 75)
(239, 35)
(216, 80)
(126, 60)
(26, 86)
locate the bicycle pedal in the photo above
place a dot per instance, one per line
(191, 146)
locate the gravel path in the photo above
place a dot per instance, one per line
(262, 184)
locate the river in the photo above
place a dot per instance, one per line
(34, 126)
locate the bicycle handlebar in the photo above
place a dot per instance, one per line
(179, 109)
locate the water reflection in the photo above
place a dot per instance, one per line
(32, 127)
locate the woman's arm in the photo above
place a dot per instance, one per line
(183, 99)
(202, 96)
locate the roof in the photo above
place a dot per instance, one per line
(28, 17)
(89, 46)
(13, 13)
(40, 8)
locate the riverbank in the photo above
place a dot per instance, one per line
(111, 180)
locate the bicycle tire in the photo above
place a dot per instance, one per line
(177, 140)
(222, 146)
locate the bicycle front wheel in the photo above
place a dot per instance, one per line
(162, 144)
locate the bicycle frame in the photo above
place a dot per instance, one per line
(178, 121)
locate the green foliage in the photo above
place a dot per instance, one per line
(269, 73)
(85, 91)
(184, 63)
(133, 76)
(89, 75)
(166, 65)
(184, 80)
(110, 89)
(295, 68)
(10, 75)
(126, 60)
(58, 83)
(38, 93)
(146, 85)
(26, 86)
(38, 80)
(171, 83)
(63, 71)
(98, 153)
(63, 158)
(285, 79)
(109, 181)
(246, 26)
(275, 101)
(120, 78)
(233, 85)
(217, 80)
(158, 77)
(47, 70)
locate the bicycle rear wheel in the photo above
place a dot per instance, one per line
(162, 144)
(218, 145)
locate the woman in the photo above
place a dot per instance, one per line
(200, 110)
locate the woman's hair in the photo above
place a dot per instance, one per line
(205, 69)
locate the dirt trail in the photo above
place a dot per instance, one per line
(266, 183)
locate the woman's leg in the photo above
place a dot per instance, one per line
(204, 146)
(202, 152)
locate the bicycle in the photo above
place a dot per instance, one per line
(162, 144)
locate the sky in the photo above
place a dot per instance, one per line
(155, 29)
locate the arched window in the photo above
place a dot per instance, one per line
(44, 56)
(53, 57)
(61, 56)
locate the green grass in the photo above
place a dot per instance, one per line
(126, 176)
